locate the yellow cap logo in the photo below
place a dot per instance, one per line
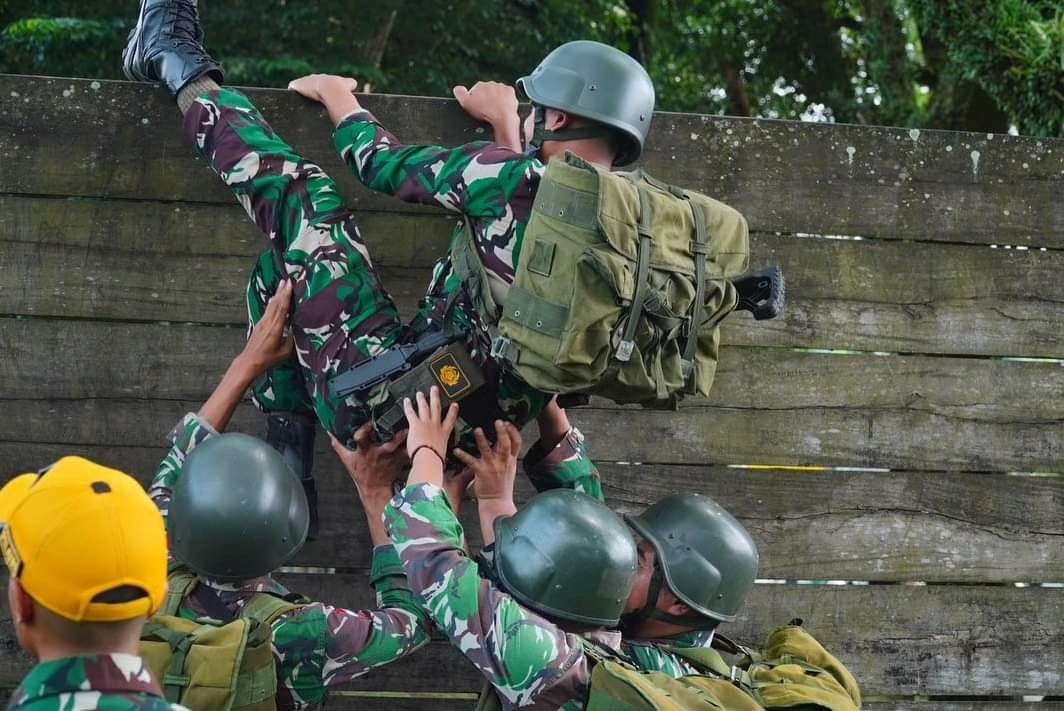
(11, 556)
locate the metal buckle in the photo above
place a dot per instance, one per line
(624, 351)
(500, 348)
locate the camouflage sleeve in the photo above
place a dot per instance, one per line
(478, 179)
(188, 433)
(527, 658)
(567, 466)
(357, 641)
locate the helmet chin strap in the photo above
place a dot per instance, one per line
(541, 134)
(650, 611)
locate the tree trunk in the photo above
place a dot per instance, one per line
(738, 96)
(639, 37)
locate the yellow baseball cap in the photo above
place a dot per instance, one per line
(78, 530)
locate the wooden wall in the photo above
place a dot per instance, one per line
(899, 427)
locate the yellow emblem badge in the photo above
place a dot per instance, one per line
(450, 376)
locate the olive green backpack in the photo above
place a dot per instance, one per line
(793, 671)
(620, 289)
(210, 664)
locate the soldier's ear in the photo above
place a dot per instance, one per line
(21, 604)
(557, 120)
(678, 608)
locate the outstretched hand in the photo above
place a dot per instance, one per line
(495, 104)
(270, 343)
(335, 92)
(430, 429)
(495, 470)
(488, 101)
(374, 467)
(312, 86)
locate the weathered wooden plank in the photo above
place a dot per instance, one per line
(173, 361)
(921, 640)
(124, 140)
(891, 437)
(144, 261)
(829, 525)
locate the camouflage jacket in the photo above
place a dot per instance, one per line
(493, 188)
(530, 661)
(568, 466)
(109, 682)
(318, 645)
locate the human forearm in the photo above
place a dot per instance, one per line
(490, 510)
(219, 408)
(508, 132)
(373, 503)
(339, 102)
(553, 424)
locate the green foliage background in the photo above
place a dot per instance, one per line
(984, 65)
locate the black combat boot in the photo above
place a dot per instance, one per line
(166, 46)
(293, 437)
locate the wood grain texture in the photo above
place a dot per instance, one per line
(108, 259)
(897, 640)
(124, 140)
(868, 526)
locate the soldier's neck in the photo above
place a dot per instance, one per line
(50, 650)
(593, 150)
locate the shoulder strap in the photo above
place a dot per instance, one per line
(266, 607)
(180, 583)
(699, 248)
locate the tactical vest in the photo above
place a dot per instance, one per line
(215, 664)
(620, 288)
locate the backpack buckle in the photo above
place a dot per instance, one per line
(500, 348)
(735, 676)
(624, 351)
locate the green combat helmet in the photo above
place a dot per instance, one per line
(595, 81)
(238, 512)
(567, 556)
(705, 556)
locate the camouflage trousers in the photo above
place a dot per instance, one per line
(341, 313)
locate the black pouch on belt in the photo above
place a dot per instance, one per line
(449, 368)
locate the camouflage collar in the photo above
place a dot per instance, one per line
(609, 638)
(256, 585)
(105, 673)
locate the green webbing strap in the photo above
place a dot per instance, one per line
(470, 270)
(266, 608)
(627, 345)
(699, 247)
(175, 680)
(179, 584)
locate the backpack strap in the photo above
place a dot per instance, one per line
(627, 344)
(710, 663)
(266, 607)
(699, 248)
(174, 680)
(180, 583)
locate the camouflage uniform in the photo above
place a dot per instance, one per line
(342, 315)
(318, 645)
(569, 466)
(530, 661)
(109, 682)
